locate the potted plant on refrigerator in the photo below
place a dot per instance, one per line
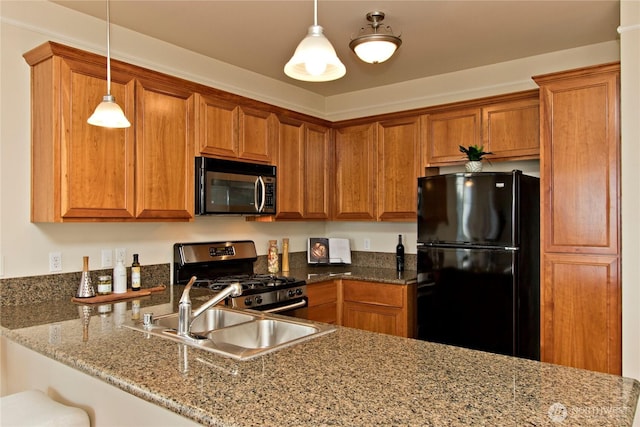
(474, 155)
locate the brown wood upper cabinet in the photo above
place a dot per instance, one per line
(398, 168)
(236, 132)
(355, 184)
(304, 151)
(164, 151)
(580, 287)
(506, 125)
(377, 166)
(86, 173)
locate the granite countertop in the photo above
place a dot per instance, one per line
(314, 274)
(348, 377)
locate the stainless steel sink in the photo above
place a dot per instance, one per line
(238, 334)
(210, 320)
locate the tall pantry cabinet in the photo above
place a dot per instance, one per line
(580, 286)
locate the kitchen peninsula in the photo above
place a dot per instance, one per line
(348, 377)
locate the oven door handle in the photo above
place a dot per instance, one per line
(295, 305)
(260, 187)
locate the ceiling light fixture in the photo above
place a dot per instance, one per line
(315, 59)
(375, 43)
(108, 114)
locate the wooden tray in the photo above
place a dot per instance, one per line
(117, 297)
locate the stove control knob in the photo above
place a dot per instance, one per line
(247, 301)
(298, 291)
(291, 293)
(258, 300)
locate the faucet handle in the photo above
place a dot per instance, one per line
(184, 299)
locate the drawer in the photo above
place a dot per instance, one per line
(374, 293)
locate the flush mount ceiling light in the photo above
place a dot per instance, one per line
(315, 59)
(108, 114)
(376, 43)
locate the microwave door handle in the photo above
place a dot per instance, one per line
(259, 186)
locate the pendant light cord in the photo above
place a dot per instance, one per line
(108, 52)
(315, 13)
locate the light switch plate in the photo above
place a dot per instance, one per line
(107, 258)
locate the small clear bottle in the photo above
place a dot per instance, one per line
(272, 257)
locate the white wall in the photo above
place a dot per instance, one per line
(630, 106)
(24, 246)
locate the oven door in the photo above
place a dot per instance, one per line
(294, 308)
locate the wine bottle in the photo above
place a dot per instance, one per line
(135, 274)
(400, 254)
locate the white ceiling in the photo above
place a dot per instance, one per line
(438, 36)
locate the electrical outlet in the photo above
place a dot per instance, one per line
(107, 258)
(55, 262)
(121, 254)
(367, 244)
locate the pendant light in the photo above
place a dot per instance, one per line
(108, 114)
(376, 44)
(315, 59)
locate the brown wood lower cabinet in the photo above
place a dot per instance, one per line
(323, 301)
(377, 307)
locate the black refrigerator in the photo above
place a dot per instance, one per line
(479, 262)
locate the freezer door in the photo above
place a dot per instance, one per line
(478, 209)
(467, 298)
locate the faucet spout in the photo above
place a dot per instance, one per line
(185, 314)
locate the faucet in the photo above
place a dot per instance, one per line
(186, 316)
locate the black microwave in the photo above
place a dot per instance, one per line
(234, 188)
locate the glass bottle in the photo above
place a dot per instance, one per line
(272, 257)
(400, 254)
(135, 274)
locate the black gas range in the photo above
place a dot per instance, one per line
(218, 264)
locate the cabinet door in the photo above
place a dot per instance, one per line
(384, 320)
(378, 307)
(445, 132)
(303, 164)
(291, 169)
(355, 185)
(581, 312)
(164, 152)
(511, 130)
(398, 168)
(580, 218)
(79, 172)
(217, 126)
(323, 302)
(257, 135)
(317, 171)
(579, 170)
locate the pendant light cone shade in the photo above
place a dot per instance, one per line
(108, 114)
(315, 59)
(377, 44)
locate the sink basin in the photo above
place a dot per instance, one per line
(210, 320)
(238, 334)
(262, 333)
